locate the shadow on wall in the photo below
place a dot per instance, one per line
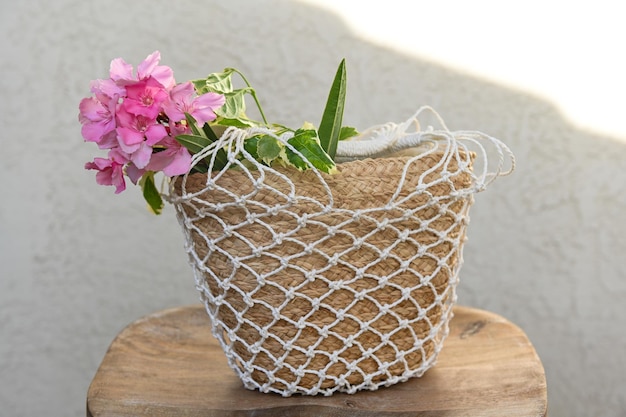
(535, 238)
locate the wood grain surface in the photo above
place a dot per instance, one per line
(169, 364)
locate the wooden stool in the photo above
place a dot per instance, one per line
(169, 364)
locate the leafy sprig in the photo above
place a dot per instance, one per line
(317, 146)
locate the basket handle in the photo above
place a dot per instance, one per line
(391, 138)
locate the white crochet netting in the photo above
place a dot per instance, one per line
(320, 283)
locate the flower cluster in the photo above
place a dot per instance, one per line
(148, 124)
(137, 117)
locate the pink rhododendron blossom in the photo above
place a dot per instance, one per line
(136, 135)
(144, 98)
(137, 118)
(136, 142)
(183, 100)
(141, 156)
(133, 173)
(122, 73)
(107, 88)
(98, 119)
(150, 68)
(133, 130)
(179, 129)
(174, 159)
(110, 171)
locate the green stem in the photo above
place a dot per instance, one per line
(253, 94)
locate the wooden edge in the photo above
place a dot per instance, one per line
(307, 405)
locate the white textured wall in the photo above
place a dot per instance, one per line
(546, 247)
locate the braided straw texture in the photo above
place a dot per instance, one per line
(319, 283)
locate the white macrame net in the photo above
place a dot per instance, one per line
(320, 283)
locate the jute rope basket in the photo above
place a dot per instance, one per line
(319, 283)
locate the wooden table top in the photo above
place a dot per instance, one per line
(169, 364)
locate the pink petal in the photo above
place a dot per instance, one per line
(109, 173)
(147, 66)
(164, 75)
(155, 133)
(172, 161)
(212, 100)
(137, 108)
(159, 160)
(144, 98)
(107, 88)
(150, 68)
(134, 173)
(96, 119)
(118, 156)
(181, 92)
(109, 140)
(95, 132)
(118, 181)
(116, 178)
(178, 102)
(126, 119)
(173, 112)
(120, 70)
(91, 109)
(105, 177)
(141, 157)
(98, 163)
(203, 115)
(129, 136)
(205, 106)
(180, 163)
(179, 129)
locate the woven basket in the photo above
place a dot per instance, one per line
(320, 283)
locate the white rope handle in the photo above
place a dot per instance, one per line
(391, 138)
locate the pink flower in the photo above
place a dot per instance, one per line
(202, 108)
(137, 117)
(144, 98)
(136, 135)
(97, 114)
(122, 73)
(174, 159)
(107, 88)
(134, 173)
(110, 171)
(98, 120)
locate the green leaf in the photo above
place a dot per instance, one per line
(347, 132)
(200, 167)
(150, 192)
(221, 159)
(251, 146)
(330, 125)
(233, 112)
(221, 82)
(200, 86)
(193, 143)
(234, 105)
(268, 149)
(252, 92)
(308, 144)
(193, 125)
(196, 143)
(240, 122)
(209, 133)
(217, 82)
